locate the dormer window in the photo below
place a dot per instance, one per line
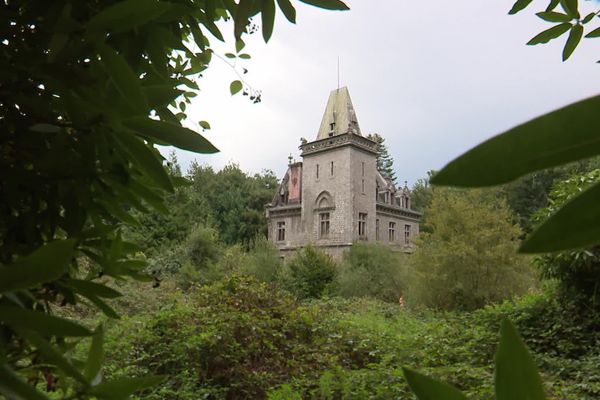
(332, 127)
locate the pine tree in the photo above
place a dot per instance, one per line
(385, 162)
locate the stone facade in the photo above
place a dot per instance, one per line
(335, 196)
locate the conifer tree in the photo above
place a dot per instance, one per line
(385, 162)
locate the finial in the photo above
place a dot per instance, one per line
(338, 75)
(290, 158)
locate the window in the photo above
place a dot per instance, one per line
(332, 168)
(281, 231)
(362, 225)
(407, 234)
(376, 229)
(392, 231)
(363, 186)
(323, 225)
(407, 202)
(363, 168)
(317, 171)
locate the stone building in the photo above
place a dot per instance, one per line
(336, 196)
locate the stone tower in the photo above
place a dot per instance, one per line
(335, 196)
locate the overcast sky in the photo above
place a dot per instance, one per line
(434, 79)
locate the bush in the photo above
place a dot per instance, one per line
(311, 273)
(264, 262)
(201, 251)
(235, 339)
(372, 270)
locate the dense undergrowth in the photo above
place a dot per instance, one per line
(239, 338)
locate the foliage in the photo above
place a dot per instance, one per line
(235, 199)
(385, 162)
(421, 193)
(235, 339)
(578, 271)
(264, 262)
(569, 20)
(372, 270)
(312, 273)
(468, 260)
(526, 195)
(86, 90)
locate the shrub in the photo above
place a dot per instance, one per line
(263, 262)
(311, 273)
(372, 270)
(235, 339)
(201, 251)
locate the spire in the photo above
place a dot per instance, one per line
(339, 116)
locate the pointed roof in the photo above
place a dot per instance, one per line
(339, 116)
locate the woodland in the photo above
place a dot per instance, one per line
(122, 276)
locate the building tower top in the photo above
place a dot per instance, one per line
(339, 116)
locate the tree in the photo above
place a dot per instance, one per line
(86, 89)
(385, 162)
(468, 259)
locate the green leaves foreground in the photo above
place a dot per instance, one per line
(562, 136)
(516, 377)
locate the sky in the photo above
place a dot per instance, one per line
(434, 80)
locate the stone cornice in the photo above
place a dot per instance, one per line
(288, 210)
(398, 211)
(346, 139)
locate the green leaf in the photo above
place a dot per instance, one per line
(102, 306)
(93, 288)
(268, 18)
(242, 14)
(516, 375)
(588, 18)
(52, 354)
(125, 80)
(519, 5)
(159, 95)
(553, 139)
(288, 10)
(44, 128)
(327, 4)
(576, 224)
(46, 264)
(146, 159)
(235, 87)
(93, 365)
(239, 45)
(571, 7)
(244, 56)
(124, 387)
(126, 15)
(426, 388)
(21, 318)
(549, 34)
(552, 16)
(572, 42)
(204, 124)
(13, 386)
(229, 55)
(552, 5)
(593, 34)
(170, 134)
